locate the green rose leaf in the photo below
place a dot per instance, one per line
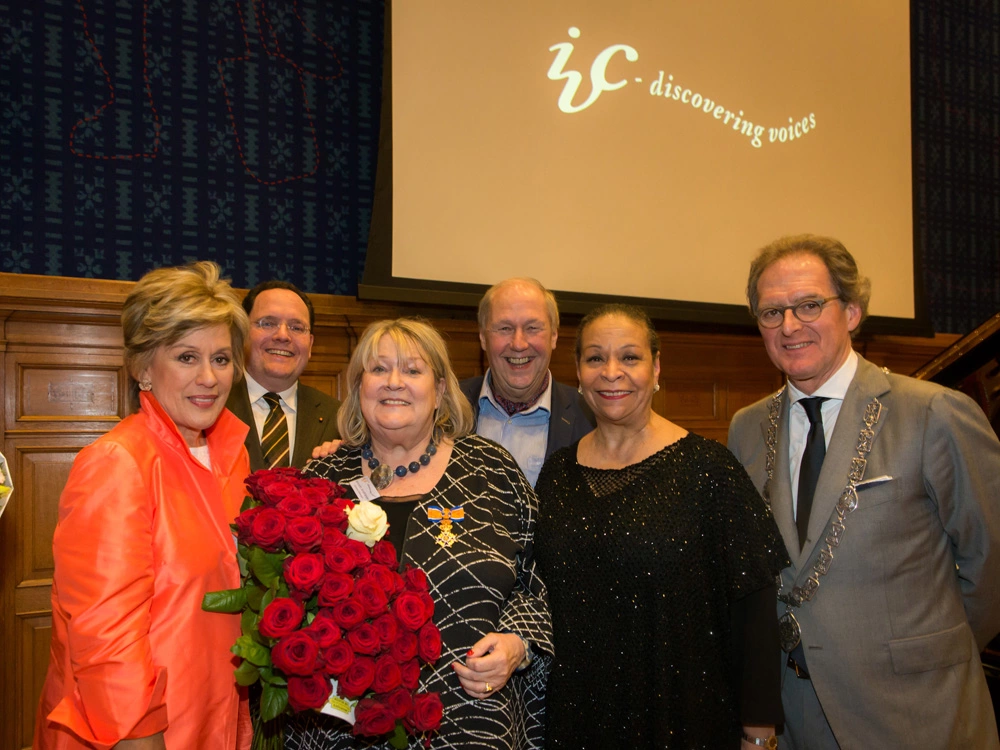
(254, 596)
(398, 737)
(248, 622)
(266, 566)
(230, 600)
(246, 674)
(268, 675)
(252, 651)
(273, 702)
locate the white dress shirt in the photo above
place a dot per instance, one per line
(834, 391)
(260, 408)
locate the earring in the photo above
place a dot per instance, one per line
(579, 389)
(656, 388)
(145, 385)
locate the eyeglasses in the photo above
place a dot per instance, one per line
(271, 325)
(507, 332)
(808, 310)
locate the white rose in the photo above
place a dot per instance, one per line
(367, 523)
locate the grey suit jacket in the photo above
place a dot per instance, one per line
(569, 420)
(892, 637)
(315, 422)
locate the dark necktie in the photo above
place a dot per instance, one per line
(274, 441)
(812, 462)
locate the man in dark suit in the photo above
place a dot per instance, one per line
(885, 490)
(287, 419)
(517, 403)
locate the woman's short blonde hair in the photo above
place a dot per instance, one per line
(167, 303)
(409, 335)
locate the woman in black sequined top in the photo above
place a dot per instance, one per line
(660, 558)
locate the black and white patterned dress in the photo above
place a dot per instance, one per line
(485, 582)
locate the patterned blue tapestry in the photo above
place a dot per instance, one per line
(138, 133)
(141, 133)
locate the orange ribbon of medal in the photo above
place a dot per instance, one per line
(434, 513)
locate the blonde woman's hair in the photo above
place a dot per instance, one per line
(409, 335)
(168, 303)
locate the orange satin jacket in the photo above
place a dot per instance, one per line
(143, 533)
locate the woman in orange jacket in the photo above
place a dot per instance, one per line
(143, 533)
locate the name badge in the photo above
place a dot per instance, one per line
(364, 489)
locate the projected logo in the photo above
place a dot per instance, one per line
(662, 87)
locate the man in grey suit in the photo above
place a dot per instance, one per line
(270, 398)
(886, 492)
(517, 403)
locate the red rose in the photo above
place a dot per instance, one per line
(331, 489)
(313, 495)
(384, 553)
(304, 573)
(364, 639)
(281, 617)
(338, 658)
(409, 672)
(336, 587)
(372, 719)
(263, 477)
(339, 559)
(415, 579)
(333, 538)
(382, 576)
(272, 493)
(362, 555)
(295, 505)
(324, 631)
(387, 629)
(334, 515)
(296, 653)
(429, 643)
(348, 614)
(303, 533)
(405, 646)
(398, 702)
(398, 584)
(425, 714)
(428, 604)
(371, 596)
(308, 692)
(410, 610)
(244, 522)
(358, 677)
(268, 529)
(387, 674)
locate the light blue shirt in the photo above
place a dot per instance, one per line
(525, 435)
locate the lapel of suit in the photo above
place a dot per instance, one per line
(308, 428)
(239, 404)
(781, 485)
(869, 382)
(557, 424)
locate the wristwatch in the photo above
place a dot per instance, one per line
(771, 743)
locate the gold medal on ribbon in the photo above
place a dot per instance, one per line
(445, 518)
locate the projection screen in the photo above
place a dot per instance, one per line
(636, 149)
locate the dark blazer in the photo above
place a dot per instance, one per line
(569, 421)
(893, 634)
(315, 422)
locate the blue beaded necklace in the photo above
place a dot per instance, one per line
(382, 475)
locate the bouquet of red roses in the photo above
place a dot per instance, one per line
(328, 622)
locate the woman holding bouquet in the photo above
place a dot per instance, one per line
(143, 534)
(661, 559)
(459, 509)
